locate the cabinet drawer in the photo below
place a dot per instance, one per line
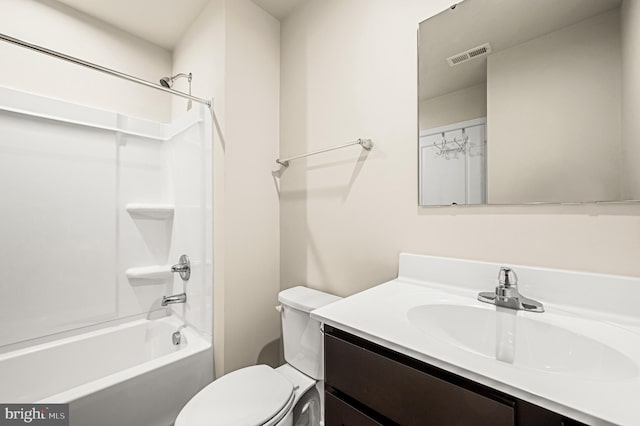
(405, 394)
(339, 413)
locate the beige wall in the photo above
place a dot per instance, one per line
(631, 98)
(349, 71)
(233, 50)
(562, 143)
(61, 28)
(252, 272)
(201, 51)
(461, 105)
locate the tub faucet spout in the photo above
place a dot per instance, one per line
(176, 298)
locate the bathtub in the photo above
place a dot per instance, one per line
(130, 374)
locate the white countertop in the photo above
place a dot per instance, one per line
(380, 315)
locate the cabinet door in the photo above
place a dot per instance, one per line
(407, 395)
(339, 413)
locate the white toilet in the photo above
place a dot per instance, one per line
(260, 395)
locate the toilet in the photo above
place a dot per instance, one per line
(291, 394)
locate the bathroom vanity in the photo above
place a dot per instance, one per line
(422, 349)
(368, 384)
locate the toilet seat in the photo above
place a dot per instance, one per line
(251, 396)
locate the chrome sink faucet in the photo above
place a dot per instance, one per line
(507, 295)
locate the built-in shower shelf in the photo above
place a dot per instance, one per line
(156, 272)
(150, 211)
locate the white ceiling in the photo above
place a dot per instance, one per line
(162, 22)
(280, 9)
(503, 23)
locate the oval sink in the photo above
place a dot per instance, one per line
(508, 336)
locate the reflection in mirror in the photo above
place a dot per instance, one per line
(530, 102)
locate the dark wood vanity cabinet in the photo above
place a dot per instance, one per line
(367, 384)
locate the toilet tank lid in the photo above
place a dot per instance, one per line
(305, 299)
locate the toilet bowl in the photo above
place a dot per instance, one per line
(291, 394)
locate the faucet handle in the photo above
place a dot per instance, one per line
(507, 277)
(183, 267)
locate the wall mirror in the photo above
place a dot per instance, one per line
(526, 101)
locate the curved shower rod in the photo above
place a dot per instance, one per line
(100, 68)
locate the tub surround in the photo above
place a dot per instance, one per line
(431, 313)
(112, 190)
(121, 199)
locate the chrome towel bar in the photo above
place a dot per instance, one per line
(365, 143)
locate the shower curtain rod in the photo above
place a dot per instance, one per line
(100, 68)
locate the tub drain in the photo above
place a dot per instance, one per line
(176, 338)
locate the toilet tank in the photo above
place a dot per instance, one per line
(301, 336)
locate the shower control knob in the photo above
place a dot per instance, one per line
(183, 267)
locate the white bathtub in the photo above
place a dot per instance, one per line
(126, 375)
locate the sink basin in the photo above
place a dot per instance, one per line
(511, 337)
